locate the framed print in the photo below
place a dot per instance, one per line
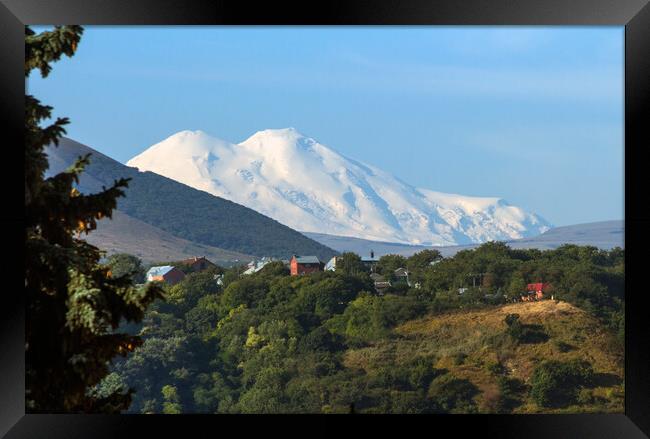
(420, 212)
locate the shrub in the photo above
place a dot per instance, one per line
(556, 384)
(459, 358)
(452, 395)
(411, 402)
(524, 333)
(421, 372)
(585, 396)
(562, 346)
(510, 390)
(496, 368)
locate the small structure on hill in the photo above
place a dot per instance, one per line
(535, 291)
(305, 264)
(197, 263)
(165, 273)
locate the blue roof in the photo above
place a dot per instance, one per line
(307, 260)
(159, 271)
(368, 259)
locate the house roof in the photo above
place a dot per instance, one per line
(307, 260)
(401, 272)
(255, 266)
(159, 271)
(368, 259)
(195, 259)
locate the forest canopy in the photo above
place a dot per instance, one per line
(270, 342)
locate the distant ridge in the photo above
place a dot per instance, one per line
(604, 235)
(185, 212)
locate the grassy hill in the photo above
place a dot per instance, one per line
(468, 344)
(184, 212)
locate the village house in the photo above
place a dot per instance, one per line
(401, 275)
(197, 263)
(255, 266)
(535, 291)
(370, 262)
(165, 273)
(305, 264)
(380, 282)
(331, 264)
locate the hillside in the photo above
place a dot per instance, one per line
(460, 342)
(274, 343)
(184, 212)
(604, 235)
(311, 187)
(124, 234)
(364, 246)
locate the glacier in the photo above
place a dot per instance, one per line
(310, 187)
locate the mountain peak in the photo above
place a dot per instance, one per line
(289, 135)
(188, 134)
(312, 188)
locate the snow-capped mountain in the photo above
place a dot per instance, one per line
(311, 188)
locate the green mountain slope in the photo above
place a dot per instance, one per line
(125, 234)
(185, 212)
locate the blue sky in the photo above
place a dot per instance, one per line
(530, 114)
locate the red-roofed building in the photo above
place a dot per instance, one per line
(537, 290)
(165, 273)
(304, 265)
(197, 264)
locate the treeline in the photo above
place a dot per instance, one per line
(270, 342)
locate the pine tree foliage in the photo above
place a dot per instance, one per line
(73, 303)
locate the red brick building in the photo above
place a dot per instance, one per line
(304, 264)
(166, 273)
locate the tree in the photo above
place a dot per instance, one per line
(389, 263)
(556, 384)
(515, 328)
(422, 259)
(172, 405)
(74, 305)
(186, 294)
(453, 395)
(124, 264)
(350, 263)
(517, 286)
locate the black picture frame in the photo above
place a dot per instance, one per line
(633, 14)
